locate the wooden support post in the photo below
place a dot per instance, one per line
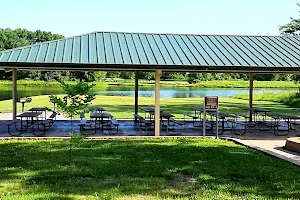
(157, 102)
(251, 75)
(136, 94)
(14, 93)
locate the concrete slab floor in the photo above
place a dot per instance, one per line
(264, 141)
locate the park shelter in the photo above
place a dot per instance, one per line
(116, 51)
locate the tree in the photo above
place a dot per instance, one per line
(76, 100)
(291, 28)
(99, 75)
(10, 39)
(74, 103)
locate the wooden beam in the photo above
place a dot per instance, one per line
(136, 94)
(157, 102)
(14, 93)
(251, 75)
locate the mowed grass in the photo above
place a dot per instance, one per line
(289, 98)
(123, 107)
(143, 169)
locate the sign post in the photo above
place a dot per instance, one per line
(211, 103)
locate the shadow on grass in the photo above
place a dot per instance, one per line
(118, 168)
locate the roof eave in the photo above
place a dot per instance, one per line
(132, 67)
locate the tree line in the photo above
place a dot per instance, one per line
(21, 37)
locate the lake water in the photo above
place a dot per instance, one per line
(170, 92)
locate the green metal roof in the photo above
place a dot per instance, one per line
(173, 52)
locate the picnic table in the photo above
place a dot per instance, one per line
(163, 115)
(289, 119)
(100, 118)
(148, 111)
(224, 119)
(29, 117)
(258, 111)
(97, 109)
(38, 109)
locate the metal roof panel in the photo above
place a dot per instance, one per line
(155, 50)
(266, 51)
(139, 48)
(192, 59)
(84, 49)
(132, 49)
(280, 52)
(288, 48)
(59, 53)
(208, 50)
(166, 51)
(109, 53)
(76, 50)
(116, 49)
(178, 49)
(148, 50)
(23, 56)
(101, 55)
(225, 51)
(92, 48)
(15, 54)
(67, 57)
(253, 51)
(168, 46)
(235, 51)
(124, 48)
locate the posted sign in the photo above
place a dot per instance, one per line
(211, 103)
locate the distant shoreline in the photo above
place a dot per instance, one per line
(200, 84)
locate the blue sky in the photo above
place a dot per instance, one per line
(74, 17)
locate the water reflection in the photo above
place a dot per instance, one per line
(170, 92)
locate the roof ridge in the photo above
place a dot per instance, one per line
(200, 34)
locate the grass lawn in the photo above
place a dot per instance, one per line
(143, 169)
(289, 98)
(123, 107)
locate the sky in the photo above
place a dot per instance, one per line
(76, 17)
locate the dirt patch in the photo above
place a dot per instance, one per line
(183, 179)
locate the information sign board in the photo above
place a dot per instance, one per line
(211, 103)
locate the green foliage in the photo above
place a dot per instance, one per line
(21, 37)
(291, 28)
(99, 75)
(147, 75)
(76, 100)
(127, 75)
(201, 84)
(113, 74)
